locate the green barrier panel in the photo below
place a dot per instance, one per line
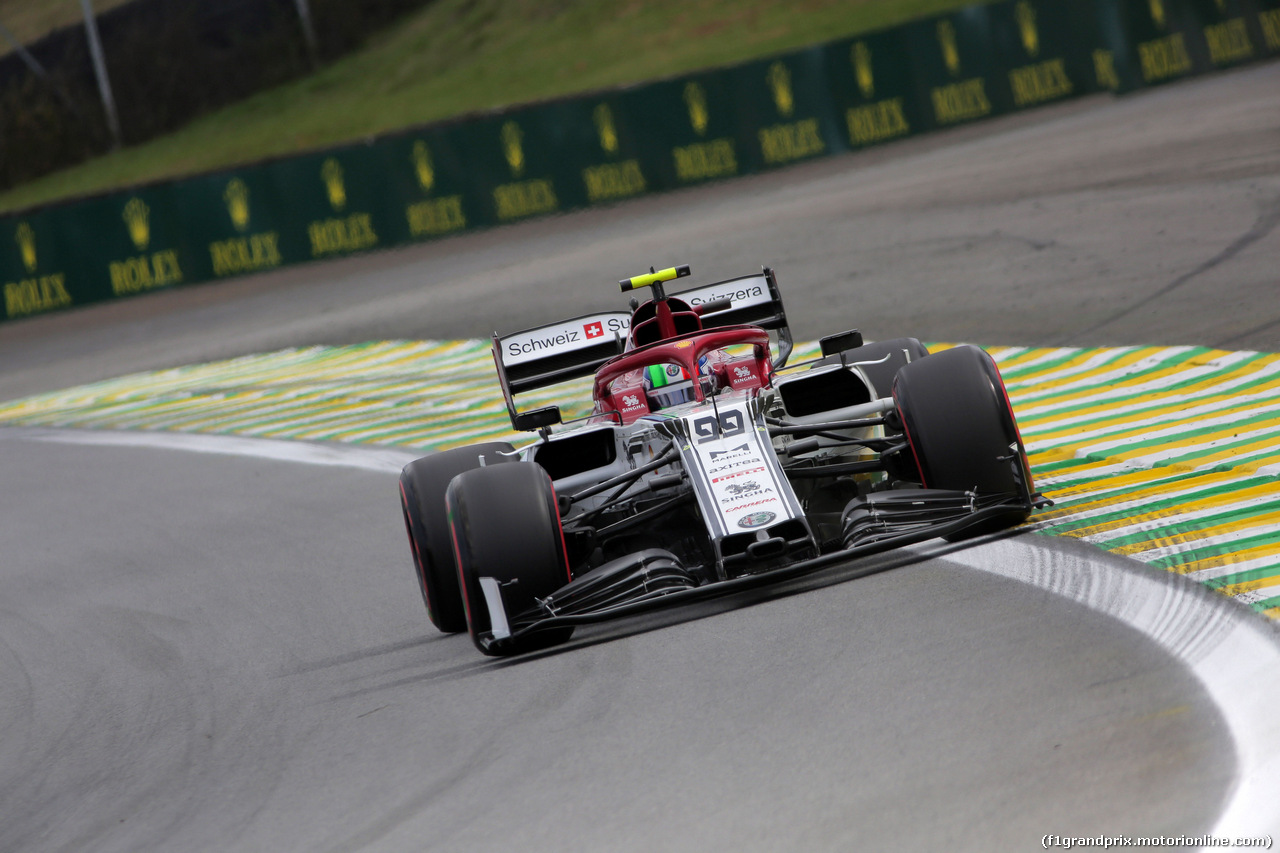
(1231, 29)
(873, 85)
(510, 167)
(690, 127)
(237, 222)
(783, 111)
(426, 187)
(124, 244)
(960, 75)
(34, 267)
(1047, 55)
(335, 203)
(1267, 18)
(599, 153)
(1165, 39)
(496, 168)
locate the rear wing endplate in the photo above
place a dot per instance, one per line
(569, 349)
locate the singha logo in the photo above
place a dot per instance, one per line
(695, 98)
(947, 41)
(861, 55)
(630, 401)
(780, 83)
(331, 174)
(1027, 27)
(512, 147)
(603, 117)
(136, 215)
(236, 196)
(26, 240)
(739, 489)
(742, 372)
(422, 166)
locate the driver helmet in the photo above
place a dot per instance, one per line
(667, 385)
(670, 384)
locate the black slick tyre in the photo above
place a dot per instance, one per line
(881, 360)
(961, 430)
(506, 535)
(422, 486)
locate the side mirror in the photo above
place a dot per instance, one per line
(535, 419)
(836, 344)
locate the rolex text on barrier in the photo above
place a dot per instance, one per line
(603, 147)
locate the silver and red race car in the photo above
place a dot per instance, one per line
(706, 464)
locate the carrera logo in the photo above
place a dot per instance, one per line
(756, 519)
(749, 504)
(593, 330)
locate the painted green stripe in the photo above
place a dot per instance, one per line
(1243, 577)
(1220, 550)
(1158, 505)
(1177, 527)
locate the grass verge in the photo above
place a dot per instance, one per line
(457, 56)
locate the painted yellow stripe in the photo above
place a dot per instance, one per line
(1223, 560)
(1172, 512)
(1260, 523)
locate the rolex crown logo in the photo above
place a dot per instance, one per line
(236, 196)
(780, 84)
(603, 117)
(331, 174)
(862, 70)
(136, 216)
(422, 166)
(26, 239)
(947, 41)
(512, 147)
(1157, 12)
(695, 98)
(1026, 16)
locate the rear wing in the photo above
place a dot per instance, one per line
(569, 349)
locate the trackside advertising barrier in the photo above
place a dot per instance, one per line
(597, 148)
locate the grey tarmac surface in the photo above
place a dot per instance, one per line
(211, 653)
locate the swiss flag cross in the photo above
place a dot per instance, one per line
(593, 330)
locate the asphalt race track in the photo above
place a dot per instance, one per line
(210, 652)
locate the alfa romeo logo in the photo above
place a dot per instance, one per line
(756, 519)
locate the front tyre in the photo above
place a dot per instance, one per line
(509, 550)
(961, 430)
(422, 487)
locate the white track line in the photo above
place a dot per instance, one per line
(1233, 652)
(367, 458)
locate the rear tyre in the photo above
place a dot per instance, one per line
(900, 351)
(422, 487)
(961, 430)
(506, 527)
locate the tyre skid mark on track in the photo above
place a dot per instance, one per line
(1167, 454)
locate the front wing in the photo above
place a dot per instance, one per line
(654, 580)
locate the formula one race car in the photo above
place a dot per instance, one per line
(704, 466)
